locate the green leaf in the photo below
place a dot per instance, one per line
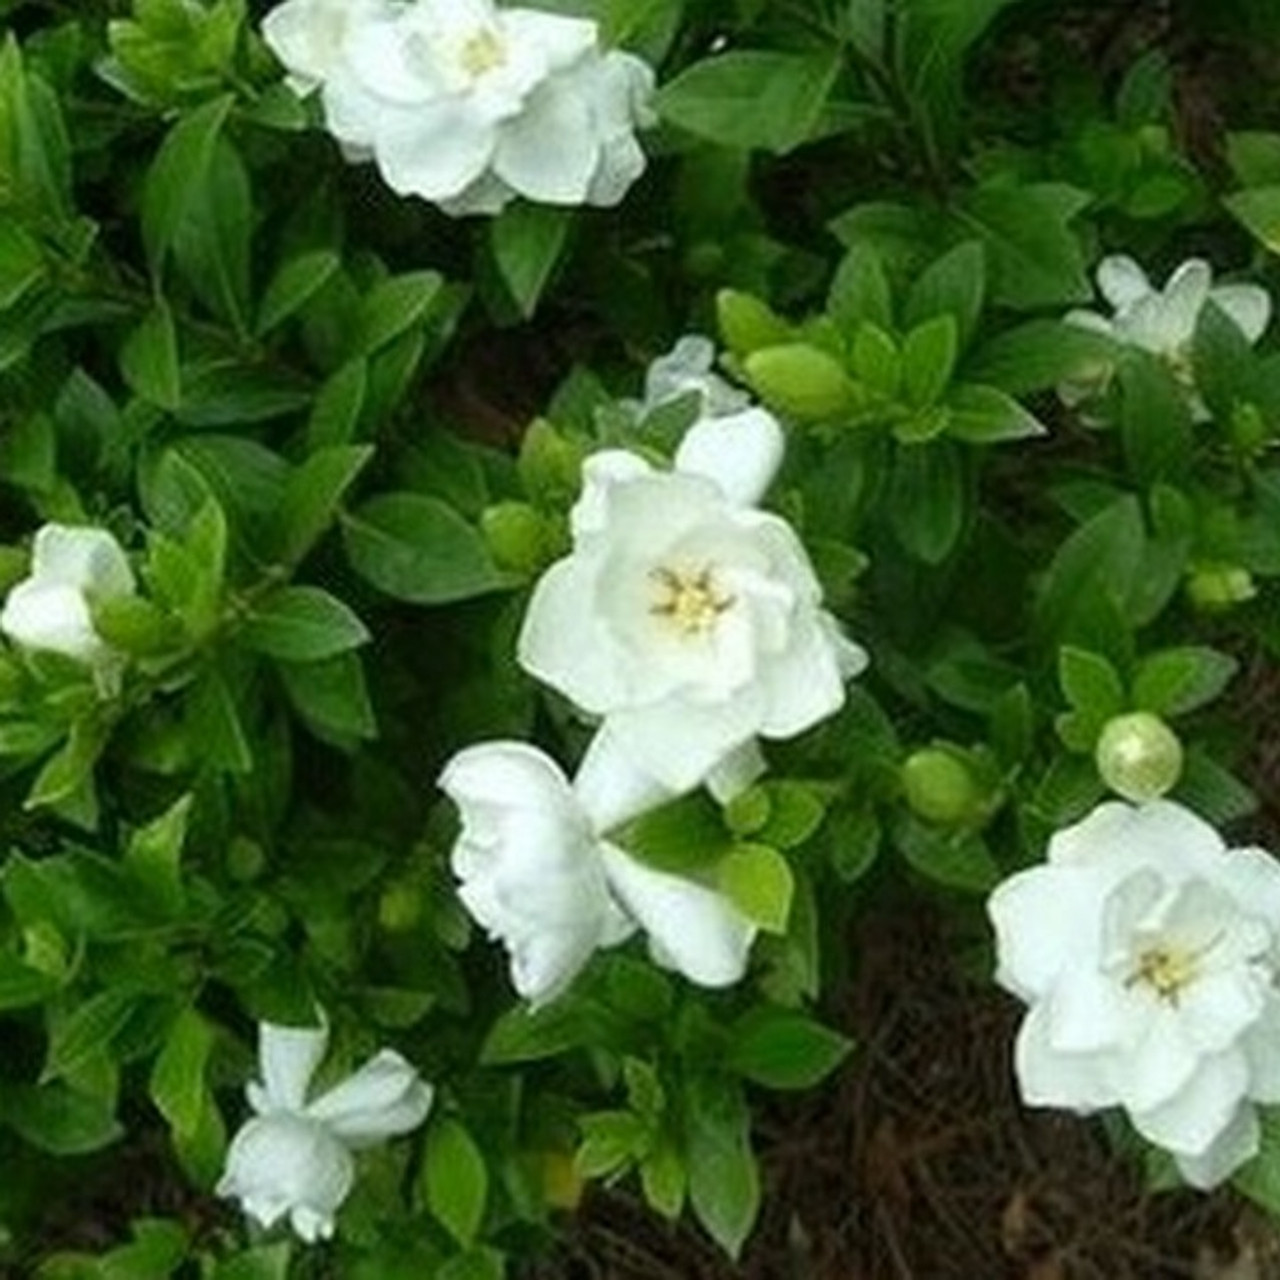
(682, 835)
(178, 178)
(21, 986)
(928, 504)
(876, 361)
(955, 285)
(59, 1119)
(759, 882)
(1259, 210)
(177, 1084)
(1091, 684)
(393, 306)
(294, 284)
(928, 360)
(22, 264)
(794, 813)
(312, 495)
(956, 860)
(419, 550)
(339, 404)
(984, 415)
(1212, 792)
(1034, 257)
(149, 359)
(87, 1030)
(455, 1180)
(860, 292)
(724, 1182)
(267, 1262)
(1038, 355)
(303, 624)
(611, 1140)
(1175, 681)
(783, 1049)
(751, 99)
(527, 241)
(214, 722)
(154, 856)
(476, 1264)
(1155, 423)
(331, 696)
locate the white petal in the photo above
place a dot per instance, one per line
(1261, 1045)
(1048, 1077)
(1046, 920)
(51, 617)
(548, 152)
(1160, 834)
(1247, 304)
(1234, 1146)
(1218, 1008)
(1184, 296)
(487, 195)
(561, 40)
(1091, 321)
(740, 769)
(806, 686)
(87, 558)
(740, 452)
(1121, 281)
(383, 1099)
(1088, 1012)
(600, 472)
(284, 1164)
(288, 1058)
(434, 149)
(691, 928)
(611, 788)
(1197, 1115)
(1159, 1066)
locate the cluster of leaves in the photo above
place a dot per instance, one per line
(276, 384)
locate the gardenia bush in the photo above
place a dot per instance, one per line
(526, 527)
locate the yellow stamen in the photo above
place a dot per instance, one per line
(482, 53)
(689, 599)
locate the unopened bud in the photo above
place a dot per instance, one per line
(940, 787)
(518, 537)
(550, 466)
(1220, 586)
(747, 324)
(801, 381)
(1138, 756)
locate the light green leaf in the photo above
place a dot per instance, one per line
(303, 624)
(455, 1181)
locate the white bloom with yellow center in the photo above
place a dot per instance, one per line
(51, 610)
(1148, 952)
(468, 105)
(537, 871)
(688, 620)
(293, 1159)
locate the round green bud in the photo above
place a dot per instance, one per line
(246, 860)
(747, 324)
(1214, 587)
(940, 787)
(1138, 756)
(801, 381)
(400, 908)
(550, 466)
(516, 534)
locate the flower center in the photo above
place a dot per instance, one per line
(1167, 970)
(688, 599)
(482, 52)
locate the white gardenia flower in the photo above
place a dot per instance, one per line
(1148, 952)
(293, 1159)
(1163, 321)
(689, 621)
(537, 872)
(469, 105)
(50, 610)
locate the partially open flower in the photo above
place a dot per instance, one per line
(1163, 321)
(71, 567)
(293, 1159)
(536, 870)
(1147, 952)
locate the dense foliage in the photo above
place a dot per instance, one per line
(335, 408)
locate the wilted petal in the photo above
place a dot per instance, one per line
(384, 1098)
(690, 927)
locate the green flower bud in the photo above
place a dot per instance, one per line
(400, 908)
(801, 381)
(1214, 587)
(747, 324)
(246, 860)
(940, 787)
(1138, 756)
(550, 466)
(518, 537)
